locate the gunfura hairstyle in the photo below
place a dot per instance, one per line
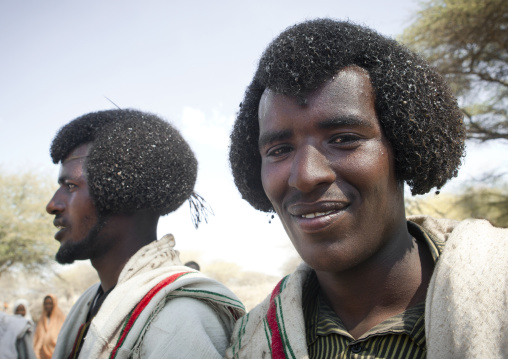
(137, 161)
(416, 110)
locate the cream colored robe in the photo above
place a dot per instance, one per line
(191, 317)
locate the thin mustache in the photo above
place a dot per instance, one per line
(299, 198)
(59, 222)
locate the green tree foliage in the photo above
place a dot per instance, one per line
(467, 41)
(26, 230)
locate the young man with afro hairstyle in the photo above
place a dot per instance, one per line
(120, 170)
(335, 121)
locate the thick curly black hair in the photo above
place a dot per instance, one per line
(415, 107)
(137, 161)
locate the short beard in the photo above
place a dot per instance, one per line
(84, 249)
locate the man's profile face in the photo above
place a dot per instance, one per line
(75, 214)
(328, 170)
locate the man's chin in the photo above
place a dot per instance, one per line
(64, 258)
(68, 254)
(81, 249)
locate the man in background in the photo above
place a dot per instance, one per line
(120, 170)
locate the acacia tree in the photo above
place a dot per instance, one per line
(467, 41)
(26, 230)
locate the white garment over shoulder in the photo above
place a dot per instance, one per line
(159, 298)
(184, 325)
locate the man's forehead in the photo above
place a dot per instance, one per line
(343, 86)
(79, 153)
(351, 74)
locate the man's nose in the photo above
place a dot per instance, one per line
(55, 204)
(310, 168)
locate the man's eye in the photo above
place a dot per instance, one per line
(345, 139)
(70, 186)
(278, 151)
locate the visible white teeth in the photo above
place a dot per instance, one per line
(316, 214)
(60, 227)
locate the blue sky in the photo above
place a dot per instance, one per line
(188, 62)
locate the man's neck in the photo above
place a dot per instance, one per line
(132, 233)
(375, 291)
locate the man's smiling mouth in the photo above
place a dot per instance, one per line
(315, 214)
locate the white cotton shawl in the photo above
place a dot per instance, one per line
(149, 266)
(466, 313)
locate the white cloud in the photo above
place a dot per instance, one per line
(206, 129)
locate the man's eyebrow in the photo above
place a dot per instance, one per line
(72, 158)
(274, 136)
(62, 179)
(345, 121)
(66, 177)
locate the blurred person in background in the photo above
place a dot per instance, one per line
(192, 264)
(22, 308)
(16, 337)
(48, 328)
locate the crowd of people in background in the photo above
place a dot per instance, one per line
(21, 338)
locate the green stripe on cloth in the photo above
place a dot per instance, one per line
(241, 332)
(268, 334)
(208, 294)
(286, 345)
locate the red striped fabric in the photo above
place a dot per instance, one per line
(79, 340)
(142, 305)
(277, 346)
